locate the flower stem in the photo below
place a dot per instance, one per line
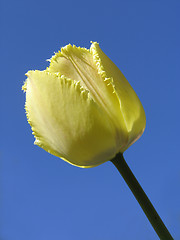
(141, 197)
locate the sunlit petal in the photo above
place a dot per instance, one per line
(130, 105)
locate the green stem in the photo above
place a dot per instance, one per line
(141, 197)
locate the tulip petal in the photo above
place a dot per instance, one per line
(130, 105)
(66, 121)
(83, 65)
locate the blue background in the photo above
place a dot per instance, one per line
(41, 196)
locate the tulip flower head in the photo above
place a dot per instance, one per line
(81, 108)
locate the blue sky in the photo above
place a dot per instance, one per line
(42, 197)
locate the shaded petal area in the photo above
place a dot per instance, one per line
(66, 121)
(82, 65)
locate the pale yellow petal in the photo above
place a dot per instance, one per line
(130, 105)
(84, 66)
(67, 122)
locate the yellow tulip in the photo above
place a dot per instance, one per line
(81, 108)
